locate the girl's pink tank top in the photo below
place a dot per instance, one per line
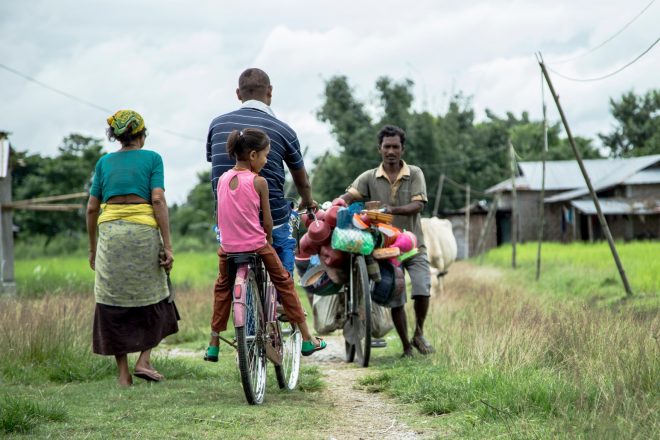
(238, 213)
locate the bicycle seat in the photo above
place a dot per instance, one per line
(244, 258)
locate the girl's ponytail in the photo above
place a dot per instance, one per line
(232, 142)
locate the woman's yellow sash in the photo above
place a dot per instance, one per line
(142, 213)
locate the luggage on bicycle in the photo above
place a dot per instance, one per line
(327, 313)
(391, 285)
(381, 321)
(355, 241)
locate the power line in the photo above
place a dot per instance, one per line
(609, 74)
(593, 49)
(88, 103)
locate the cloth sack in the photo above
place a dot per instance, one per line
(327, 311)
(381, 321)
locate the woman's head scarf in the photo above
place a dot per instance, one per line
(126, 121)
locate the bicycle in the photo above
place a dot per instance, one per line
(260, 335)
(357, 312)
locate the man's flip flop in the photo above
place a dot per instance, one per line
(149, 376)
(422, 345)
(308, 347)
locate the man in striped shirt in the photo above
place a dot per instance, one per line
(255, 92)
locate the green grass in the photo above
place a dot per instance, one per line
(66, 275)
(587, 271)
(22, 415)
(516, 358)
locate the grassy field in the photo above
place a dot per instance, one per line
(585, 271)
(56, 275)
(562, 358)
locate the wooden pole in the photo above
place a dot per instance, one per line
(37, 200)
(438, 194)
(7, 282)
(484, 231)
(45, 207)
(599, 211)
(542, 195)
(467, 221)
(514, 206)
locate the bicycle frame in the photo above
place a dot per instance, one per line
(267, 295)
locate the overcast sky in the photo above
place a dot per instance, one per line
(177, 62)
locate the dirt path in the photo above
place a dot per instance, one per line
(358, 415)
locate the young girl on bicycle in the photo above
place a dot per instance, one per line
(242, 194)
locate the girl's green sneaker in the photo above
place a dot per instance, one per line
(212, 353)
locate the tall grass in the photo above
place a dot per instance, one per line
(49, 339)
(22, 415)
(513, 364)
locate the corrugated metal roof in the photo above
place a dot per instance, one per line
(565, 175)
(625, 170)
(646, 177)
(618, 206)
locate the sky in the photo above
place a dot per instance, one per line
(178, 62)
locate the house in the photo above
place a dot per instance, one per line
(628, 191)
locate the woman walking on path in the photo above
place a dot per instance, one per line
(133, 253)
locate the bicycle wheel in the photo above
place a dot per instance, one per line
(250, 340)
(358, 325)
(287, 372)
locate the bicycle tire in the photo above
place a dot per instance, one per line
(249, 341)
(358, 323)
(362, 297)
(291, 348)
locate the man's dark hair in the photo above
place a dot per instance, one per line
(391, 130)
(253, 82)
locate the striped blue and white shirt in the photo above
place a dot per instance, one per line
(284, 148)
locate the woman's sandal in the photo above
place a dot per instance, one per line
(148, 375)
(212, 353)
(308, 347)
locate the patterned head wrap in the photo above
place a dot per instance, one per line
(126, 121)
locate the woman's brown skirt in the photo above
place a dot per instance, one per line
(122, 330)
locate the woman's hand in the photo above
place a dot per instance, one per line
(92, 258)
(167, 260)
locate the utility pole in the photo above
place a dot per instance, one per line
(438, 194)
(542, 195)
(514, 205)
(7, 282)
(594, 197)
(467, 221)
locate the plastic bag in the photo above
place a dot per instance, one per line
(327, 313)
(353, 240)
(381, 321)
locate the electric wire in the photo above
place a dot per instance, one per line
(89, 103)
(598, 46)
(609, 74)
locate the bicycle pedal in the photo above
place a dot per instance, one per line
(282, 317)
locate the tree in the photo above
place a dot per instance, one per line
(637, 129)
(68, 172)
(195, 218)
(452, 143)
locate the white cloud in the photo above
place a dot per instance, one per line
(178, 62)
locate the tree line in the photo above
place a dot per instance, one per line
(453, 143)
